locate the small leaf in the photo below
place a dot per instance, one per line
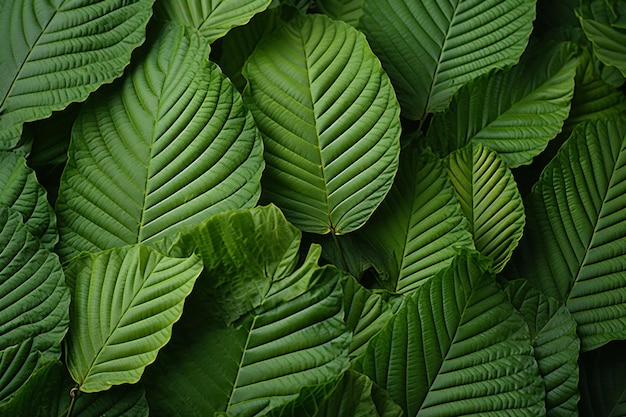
(330, 123)
(59, 52)
(124, 303)
(489, 199)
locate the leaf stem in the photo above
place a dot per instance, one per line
(344, 264)
(73, 394)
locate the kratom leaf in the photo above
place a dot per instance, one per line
(211, 18)
(457, 347)
(17, 364)
(555, 343)
(350, 11)
(168, 148)
(60, 51)
(430, 48)
(34, 399)
(34, 299)
(609, 41)
(330, 123)
(490, 200)
(575, 247)
(417, 228)
(124, 303)
(603, 381)
(291, 335)
(513, 112)
(20, 191)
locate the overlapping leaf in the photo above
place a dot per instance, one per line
(555, 343)
(418, 227)
(124, 303)
(575, 246)
(457, 347)
(349, 11)
(58, 52)
(430, 48)
(170, 147)
(246, 363)
(514, 112)
(330, 122)
(489, 199)
(211, 18)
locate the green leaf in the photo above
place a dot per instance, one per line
(366, 314)
(17, 364)
(575, 245)
(603, 381)
(168, 148)
(124, 303)
(20, 191)
(430, 48)
(609, 41)
(211, 18)
(330, 123)
(60, 51)
(489, 199)
(350, 11)
(34, 299)
(514, 112)
(555, 343)
(418, 227)
(457, 347)
(291, 335)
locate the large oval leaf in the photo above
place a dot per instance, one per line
(416, 231)
(59, 51)
(575, 246)
(489, 199)
(170, 146)
(514, 112)
(124, 303)
(457, 347)
(276, 329)
(330, 122)
(430, 48)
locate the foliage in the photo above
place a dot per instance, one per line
(296, 208)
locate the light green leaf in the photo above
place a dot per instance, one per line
(59, 51)
(33, 297)
(430, 48)
(603, 381)
(514, 112)
(124, 303)
(575, 245)
(330, 123)
(211, 18)
(489, 199)
(20, 191)
(609, 41)
(457, 347)
(366, 314)
(168, 148)
(349, 11)
(292, 334)
(417, 229)
(555, 343)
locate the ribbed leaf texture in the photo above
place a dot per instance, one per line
(20, 191)
(349, 11)
(603, 381)
(430, 48)
(60, 51)
(457, 347)
(17, 364)
(489, 199)
(514, 112)
(170, 146)
(291, 335)
(330, 122)
(575, 245)
(124, 303)
(607, 36)
(555, 343)
(419, 225)
(211, 18)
